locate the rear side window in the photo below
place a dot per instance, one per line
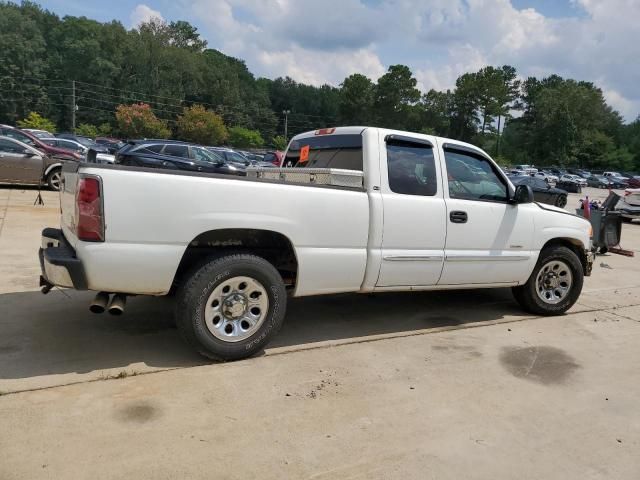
(177, 150)
(154, 148)
(326, 151)
(411, 168)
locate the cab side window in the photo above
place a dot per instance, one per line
(472, 177)
(411, 168)
(10, 147)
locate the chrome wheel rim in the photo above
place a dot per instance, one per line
(236, 309)
(56, 180)
(554, 282)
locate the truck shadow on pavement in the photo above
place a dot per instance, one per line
(56, 333)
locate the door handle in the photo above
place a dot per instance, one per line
(458, 216)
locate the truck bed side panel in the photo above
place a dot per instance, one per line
(151, 219)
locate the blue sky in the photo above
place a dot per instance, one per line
(318, 41)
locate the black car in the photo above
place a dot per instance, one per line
(542, 192)
(175, 156)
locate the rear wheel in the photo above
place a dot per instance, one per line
(561, 201)
(230, 307)
(555, 283)
(54, 179)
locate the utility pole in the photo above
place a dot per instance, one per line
(73, 106)
(286, 118)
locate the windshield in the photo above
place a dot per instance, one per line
(236, 157)
(87, 142)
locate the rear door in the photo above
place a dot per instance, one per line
(414, 213)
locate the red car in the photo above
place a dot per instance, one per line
(634, 182)
(35, 142)
(273, 157)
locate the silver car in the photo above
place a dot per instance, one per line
(24, 165)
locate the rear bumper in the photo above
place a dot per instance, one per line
(58, 261)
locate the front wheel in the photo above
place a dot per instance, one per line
(230, 307)
(555, 283)
(54, 179)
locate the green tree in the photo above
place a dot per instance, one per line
(279, 142)
(395, 93)
(356, 100)
(196, 124)
(244, 138)
(87, 130)
(35, 120)
(105, 130)
(139, 121)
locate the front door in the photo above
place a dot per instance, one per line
(16, 166)
(414, 213)
(489, 239)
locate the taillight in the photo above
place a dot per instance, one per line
(89, 214)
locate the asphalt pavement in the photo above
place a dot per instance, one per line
(414, 385)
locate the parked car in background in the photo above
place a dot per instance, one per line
(568, 177)
(38, 133)
(529, 169)
(173, 155)
(111, 144)
(35, 142)
(66, 143)
(617, 176)
(274, 157)
(600, 181)
(86, 141)
(634, 182)
(25, 165)
(547, 177)
(542, 191)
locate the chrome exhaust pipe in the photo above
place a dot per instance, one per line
(99, 303)
(118, 302)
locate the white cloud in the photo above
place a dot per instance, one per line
(143, 13)
(323, 41)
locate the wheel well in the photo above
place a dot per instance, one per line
(572, 244)
(274, 247)
(51, 168)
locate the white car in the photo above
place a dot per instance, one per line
(567, 177)
(360, 210)
(547, 177)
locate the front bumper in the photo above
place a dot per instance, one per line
(588, 264)
(58, 262)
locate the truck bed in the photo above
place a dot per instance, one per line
(152, 216)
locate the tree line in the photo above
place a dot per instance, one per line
(167, 72)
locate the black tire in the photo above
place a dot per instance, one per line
(527, 296)
(54, 179)
(561, 201)
(198, 286)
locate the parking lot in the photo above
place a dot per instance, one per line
(415, 385)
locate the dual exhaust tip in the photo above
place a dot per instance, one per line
(101, 303)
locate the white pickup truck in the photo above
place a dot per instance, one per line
(359, 210)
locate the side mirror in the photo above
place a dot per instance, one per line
(523, 194)
(29, 153)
